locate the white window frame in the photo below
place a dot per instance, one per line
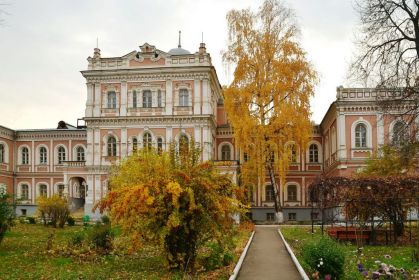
(38, 156)
(147, 98)
(220, 153)
(5, 152)
(368, 134)
(111, 99)
(184, 97)
(60, 157)
(21, 156)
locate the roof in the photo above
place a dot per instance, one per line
(178, 51)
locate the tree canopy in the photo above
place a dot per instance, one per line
(268, 101)
(172, 200)
(388, 53)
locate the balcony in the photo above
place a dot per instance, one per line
(74, 163)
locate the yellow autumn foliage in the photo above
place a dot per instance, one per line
(267, 103)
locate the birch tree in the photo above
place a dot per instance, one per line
(268, 101)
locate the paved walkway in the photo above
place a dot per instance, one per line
(268, 258)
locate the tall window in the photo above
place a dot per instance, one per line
(80, 153)
(360, 136)
(183, 145)
(313, 151)
(25, 155)
(61, 155)
(269, 193)
(112, 100)
(400, 134)
(43, 191)
(24, 192)
(183, 97)
(292, 193)
(147, 140)
(111, 146)
(225, 152)
(293, 156)
(2, 153)
(159, 103)
(159, 145)
(134, 99)
(60, 189)
(245, 157)
(134, 144)
(43, 158)
(147, 99)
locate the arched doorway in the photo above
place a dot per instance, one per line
(77, 190)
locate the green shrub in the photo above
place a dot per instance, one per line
(215, 257)
(101, 237)
(105, 220)
(70, 221)
(7, 213)
(325, 256)
(77, 238)
(32, 220)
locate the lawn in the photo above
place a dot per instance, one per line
(398, 256)
(24, 255)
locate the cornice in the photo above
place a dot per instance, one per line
(52, 135)
(149, 120)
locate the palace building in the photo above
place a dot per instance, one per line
(150, 98)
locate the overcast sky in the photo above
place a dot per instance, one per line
(44, 45)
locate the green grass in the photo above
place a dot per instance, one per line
(401, 256)
(23, 255)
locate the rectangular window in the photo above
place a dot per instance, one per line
(134, 99)
(147, 99)
(292, 193)
(183, 97)
(23, 212)
(269, 193)
(314, 216)
(292, 216)
(111, 100)
(270, 217)
(159, 103)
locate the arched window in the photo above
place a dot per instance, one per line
(360, 136)
(147, 140)
(43, 157)
(225, 152)
(292, 193)
(60, 189)
(111, 100)
(2, 153)
(183, 97)
(24, 192)
(43, 190)
(80, 153)
(400, 133)
(61, 155)
(25, 155)
(134, 144)
(183, 144)
(313, 151)
(111, 146)
(147, 99)
(293, 156)
(159, 145)
(134, 99)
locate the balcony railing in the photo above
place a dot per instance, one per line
(74, 163)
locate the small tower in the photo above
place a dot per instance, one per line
(202, 48)
(96, 53)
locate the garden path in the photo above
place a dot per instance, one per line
(268, 258)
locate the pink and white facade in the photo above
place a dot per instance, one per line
(152, 97)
